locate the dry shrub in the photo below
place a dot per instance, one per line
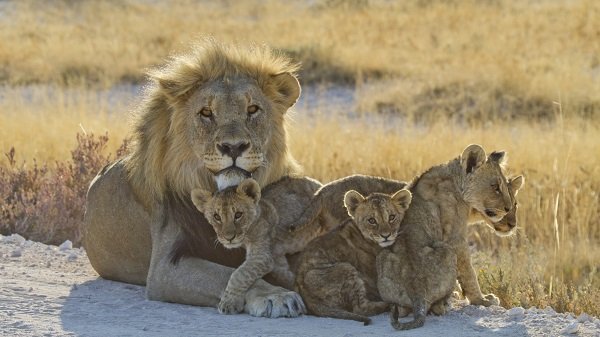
(47, 204)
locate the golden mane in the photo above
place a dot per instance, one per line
(161, 159)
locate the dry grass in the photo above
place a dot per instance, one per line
(456, 78)
(534, 50)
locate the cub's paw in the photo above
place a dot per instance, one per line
(274, 302)
(231, 305)
(487, 300)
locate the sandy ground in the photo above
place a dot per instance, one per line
(53, 291)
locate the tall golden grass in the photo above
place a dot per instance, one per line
(511, 75)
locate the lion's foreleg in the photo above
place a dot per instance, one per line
(468, 279)
(255, 267)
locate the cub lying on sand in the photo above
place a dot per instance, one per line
(327, 204)
(241, 218)
(335, 272)
(422, 266)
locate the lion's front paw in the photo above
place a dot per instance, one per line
(231, 304)
(274, 302)
(487, 300)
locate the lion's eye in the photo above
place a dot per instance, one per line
(372, 221)
(252, 109)
(217, 217)
(238, 215)
(392, 217)
(496, 188)
(206, 112)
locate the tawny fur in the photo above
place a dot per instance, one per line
(326, 210)
(432, 252)
(195, 102)
(336, 271)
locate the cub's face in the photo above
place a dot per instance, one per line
(230, 212)
(378, 216)
(486, 188)
(508, 223)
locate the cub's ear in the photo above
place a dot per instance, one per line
(200, 197)
(498, 157)
(287, 89)
(516, 183)
(250, 189)
(402, 198)
(351, 200)
(472, 158)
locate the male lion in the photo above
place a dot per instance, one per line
(214, 115)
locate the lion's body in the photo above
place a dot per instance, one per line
(210, 117)
(327, 205)
(336, 273)
(432, 253)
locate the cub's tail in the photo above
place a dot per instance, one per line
(419, 313)
(325, 311)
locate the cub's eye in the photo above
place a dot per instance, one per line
(206, 112)
(238, 215)
(252, 109)
(217, 217)
(392, 217)
(496, 188)
(372, 221)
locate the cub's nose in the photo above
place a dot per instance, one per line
(385, 237)
(233, 150)
(507, 209)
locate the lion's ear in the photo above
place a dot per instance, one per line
(351, 200)
(287, 89)
(472, 158)
(200, 197)
(516, 183)
(498, 157)
(402, 198)
(249, 188)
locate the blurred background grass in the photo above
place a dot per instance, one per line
(389, 89)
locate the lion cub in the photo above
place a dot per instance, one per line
(335, 270)
(421, 269)
(327, 204)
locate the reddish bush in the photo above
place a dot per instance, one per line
(46, 204)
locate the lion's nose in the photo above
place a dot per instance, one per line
(385, 237)
(506, 208)
(233, 150)
(230, 238)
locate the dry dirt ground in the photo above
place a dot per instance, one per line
(53, 291)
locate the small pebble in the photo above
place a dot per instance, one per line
(16, 253)
(584, 318)
(72, 257)
(516, 312)
(66, 246)
(571, 328)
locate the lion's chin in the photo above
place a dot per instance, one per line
(385, 243)
(230, 176)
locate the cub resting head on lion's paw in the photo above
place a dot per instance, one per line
(336, 271)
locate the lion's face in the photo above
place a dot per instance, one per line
(485, 187)
(235, 128)
(231, 212)
(508, 223)
(378, 216)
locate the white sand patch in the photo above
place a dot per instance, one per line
(49, 292)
